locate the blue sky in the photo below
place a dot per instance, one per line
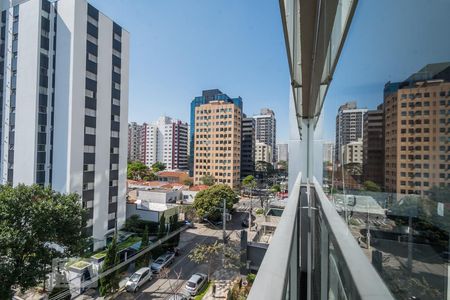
(180, 47)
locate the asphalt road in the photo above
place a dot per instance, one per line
(182, 268)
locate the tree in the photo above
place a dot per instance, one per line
(150, 177)
(144, 259)
(276, 188)
(158, 166)
(354, 169)
(137, 170)
(188, 182)
(208, 180)
(371, 186)
(249, 182)
(110, 283)
(205, 254)
(283, 165)
(208, 203)
(162, 226)
(37, 225)
(264, 167)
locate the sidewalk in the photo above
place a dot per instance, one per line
(224, 281)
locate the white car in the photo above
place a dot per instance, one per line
(162, 262)
(196, 283)
(179, 296)
(136, 280)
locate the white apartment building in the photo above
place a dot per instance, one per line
(149, 144)
(328, 151)
(263, 152)
(266, 130)
(282, 152)
(165, 141)
(353, 152)
(349, 126)
(65, 103)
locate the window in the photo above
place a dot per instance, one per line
(116, 53)
(114, 134)
(117, 85)
(89, 149)
(114, 167)
(91, 57)
(114, 150)
(89, 130)
(116, 69)
(90, 112)
(92, 39)
(88, 167)
(117, 37)
(88, 186)
(91, 75)
(115, 118)
(113, 183)
(90, 94)
(92, 21)
(113, 199)
(115, 101)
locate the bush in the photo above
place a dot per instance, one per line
(259, 211)
(251, 277)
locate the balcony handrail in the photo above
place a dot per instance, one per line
(270, 283)
(365, 279)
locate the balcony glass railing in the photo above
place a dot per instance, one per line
(313, 254)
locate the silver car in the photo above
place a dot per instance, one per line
(196, 283)
(162, 262)
(136, 280)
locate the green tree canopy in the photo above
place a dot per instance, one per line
(158, 166)
(208, 180)
(208, 203)
(283, 165)
(110, 283)
(371, 186)
(264, 167)
(36, 225)
(249, 182)
(275, 188)
(137, 170)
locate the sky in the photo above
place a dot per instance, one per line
(181, 47)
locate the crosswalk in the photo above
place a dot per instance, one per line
(375, 222)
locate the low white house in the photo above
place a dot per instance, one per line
(150, 211)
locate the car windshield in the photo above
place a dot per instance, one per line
(159, 261)
(191, 284)
(135, 277)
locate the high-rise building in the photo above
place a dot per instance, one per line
(172, 143)
(266, 130)
(328, 152)
(373, 146)
(217, 150)
(134, 141)
(206, 97)
(282, 152)
(263, 152)
(416, 131)
(248, 146)
(352, 153)
(349, 126)
(165, 141)
(65, 103)
(149, 146)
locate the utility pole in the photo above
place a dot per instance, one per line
(251, 209)
(224, 222)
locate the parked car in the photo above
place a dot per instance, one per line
(162, 262)
(196, 283)
(179, 296)
(136, 280)
(244, 222)
(190, 224)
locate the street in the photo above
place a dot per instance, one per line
(163, 286)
